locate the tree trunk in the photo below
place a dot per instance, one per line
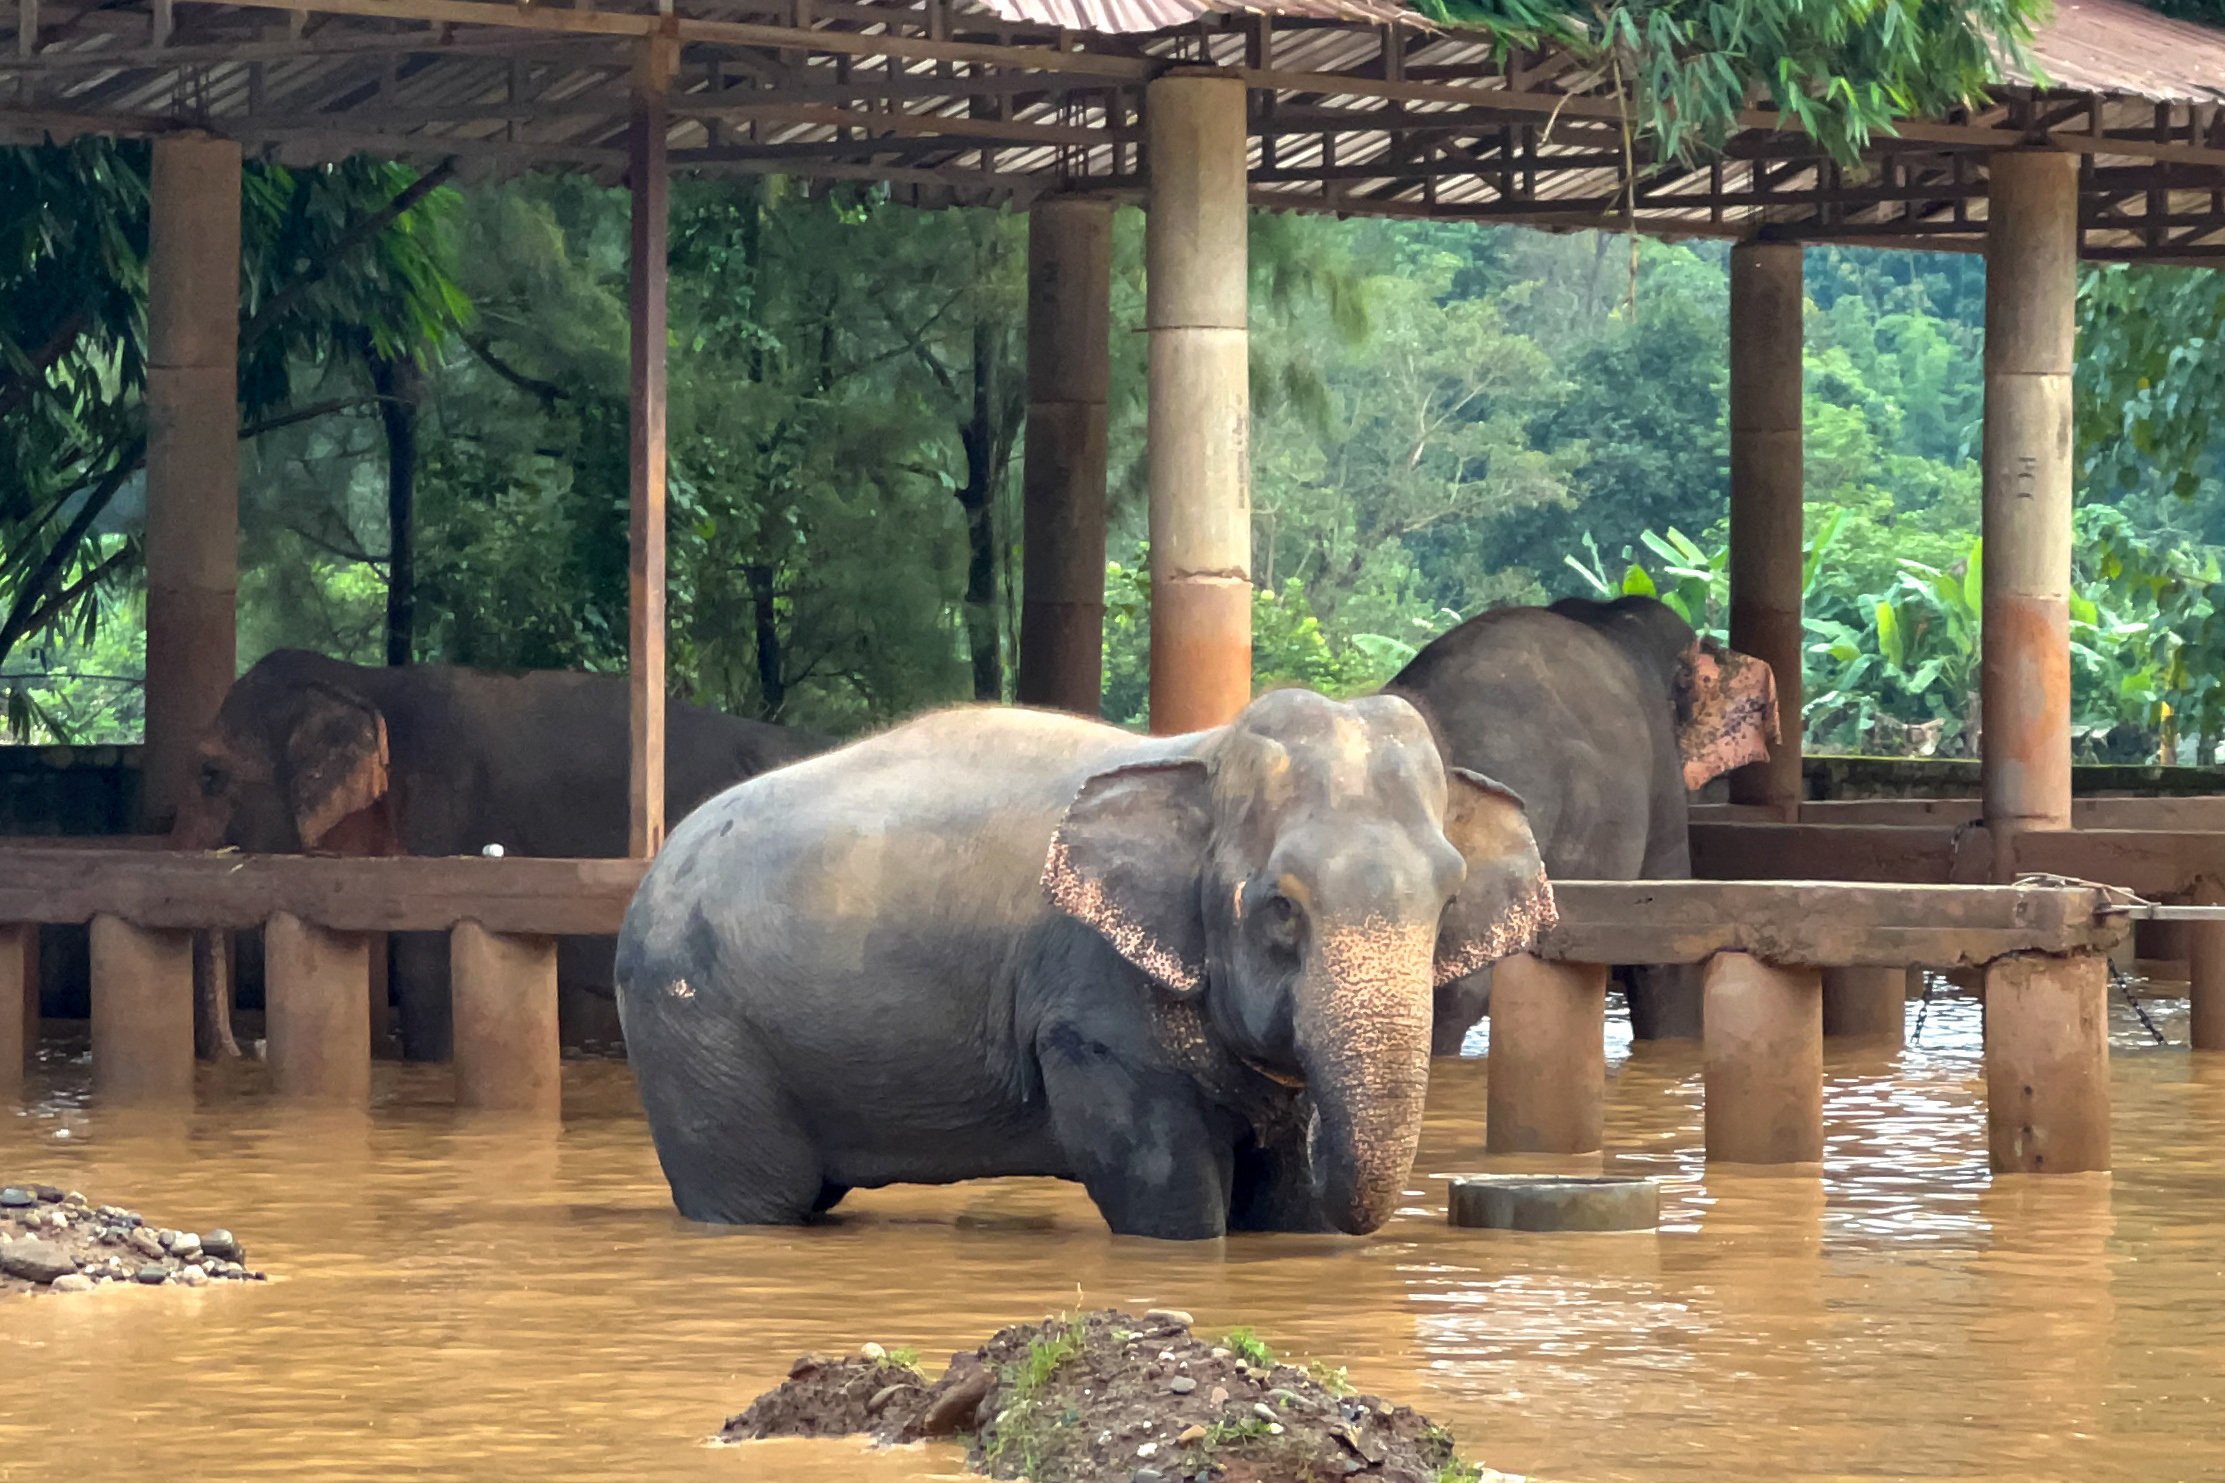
(771, 686)
(399, 386)
(978, 497)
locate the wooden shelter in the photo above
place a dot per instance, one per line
(2114, 149)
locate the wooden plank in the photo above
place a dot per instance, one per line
(1934, 854)
(1825, 924)
(2149, 861)
(649, 181)
(391, 894)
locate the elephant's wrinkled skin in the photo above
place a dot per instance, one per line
(311, 753)
(1602, 716)
(1192, 972)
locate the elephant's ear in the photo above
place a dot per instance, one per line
(336, 766)
(1125, 861)
(1506, 901)
(1728, 715)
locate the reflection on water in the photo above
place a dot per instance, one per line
(465, 1298)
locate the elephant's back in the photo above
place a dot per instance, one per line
(1559, 713)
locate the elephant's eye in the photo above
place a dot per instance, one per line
(1279, 921)
(212, 779)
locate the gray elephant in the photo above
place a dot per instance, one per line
(1602, 715)
(1193, 972)
(312, 753)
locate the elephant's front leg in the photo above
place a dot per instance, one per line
(1274, 1189)
(1139, 1137)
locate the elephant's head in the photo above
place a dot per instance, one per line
(295, 760)
(1306, 878)
(1724, 702)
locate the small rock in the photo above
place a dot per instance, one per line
(1169, 1315)
(16, 1198)
(154, 1274)
(805, 1364)
(48, 1194)
(167, 1238)
(36, 1261)
(1181, 1385)
(1147, 1475)
(954, 1410)
(1263, 1411)
(1220, 1353)
(143, 1241)
(871, 1352)
(1190, 1434)
(222, 1244)
(1274, 1428)
(878, 1401)
(1219, 1397)
(1148, 1449)
(72, 1282)
(187, 1247)
(193, 1277)
(76, 1201)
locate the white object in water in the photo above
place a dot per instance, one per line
(492, 851)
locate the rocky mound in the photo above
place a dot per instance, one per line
(57, 1241)
(1111, 1397)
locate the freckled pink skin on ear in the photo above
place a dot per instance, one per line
(1085, 901)
(1734, 714)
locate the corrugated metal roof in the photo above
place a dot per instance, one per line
(2116, 46)
(1128, 16)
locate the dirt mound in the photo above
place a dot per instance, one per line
(57, 1241)
(1111, 1397)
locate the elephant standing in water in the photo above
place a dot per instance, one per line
(1192, 972)
(311, 753)
(1602, 715)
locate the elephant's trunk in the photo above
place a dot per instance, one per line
(197, 825)
(1363, 1036)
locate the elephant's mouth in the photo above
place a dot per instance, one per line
(1294, 1080)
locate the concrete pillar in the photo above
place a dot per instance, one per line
(1198, 440)
(2031, 330)
(508, 1056)
(1062, 613)
(2205, 974)
(649, 180)
(193, 270)
(2047, 1064)
(1547, 1082)
(142, 1013)
(318, 1021)
(1766, 552)
(1764, 1077)
(1866, 1003)
(19, 989)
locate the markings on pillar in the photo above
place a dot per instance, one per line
(2027, 476)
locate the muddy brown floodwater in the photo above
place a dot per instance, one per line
(463, 1299)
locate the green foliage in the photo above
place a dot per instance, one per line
(1335, 1379)
(1842, 70)
(1248, 1347)
(2151, 374)
(903, 1357)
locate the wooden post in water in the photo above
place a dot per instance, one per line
(1547, 1079)
(1199, 434)
(193, 269)
(508, 1055)
(2205, 973)
(2030, 336)
(19, 991)
(1764, 1077)
(2047, 1064)
(142, 980)
(1766, 552)
(319, 1021)
(648, 180)
(1062, 613)
(1869, 1004)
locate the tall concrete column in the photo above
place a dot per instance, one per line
(2031, 330)
(1766, 481)
(649, 181)
(193, 270)
(1062, 613)
(1199, 432)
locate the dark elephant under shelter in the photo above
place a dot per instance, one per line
(1603, 716)
(313, 753)
(1193, 972)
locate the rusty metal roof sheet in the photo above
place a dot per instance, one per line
(2116, 46)
(1119, 16)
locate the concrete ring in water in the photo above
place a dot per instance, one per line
(1524, 1202)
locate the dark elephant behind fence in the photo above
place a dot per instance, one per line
(312, 753)
(1192, 972)
(1603, 716)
